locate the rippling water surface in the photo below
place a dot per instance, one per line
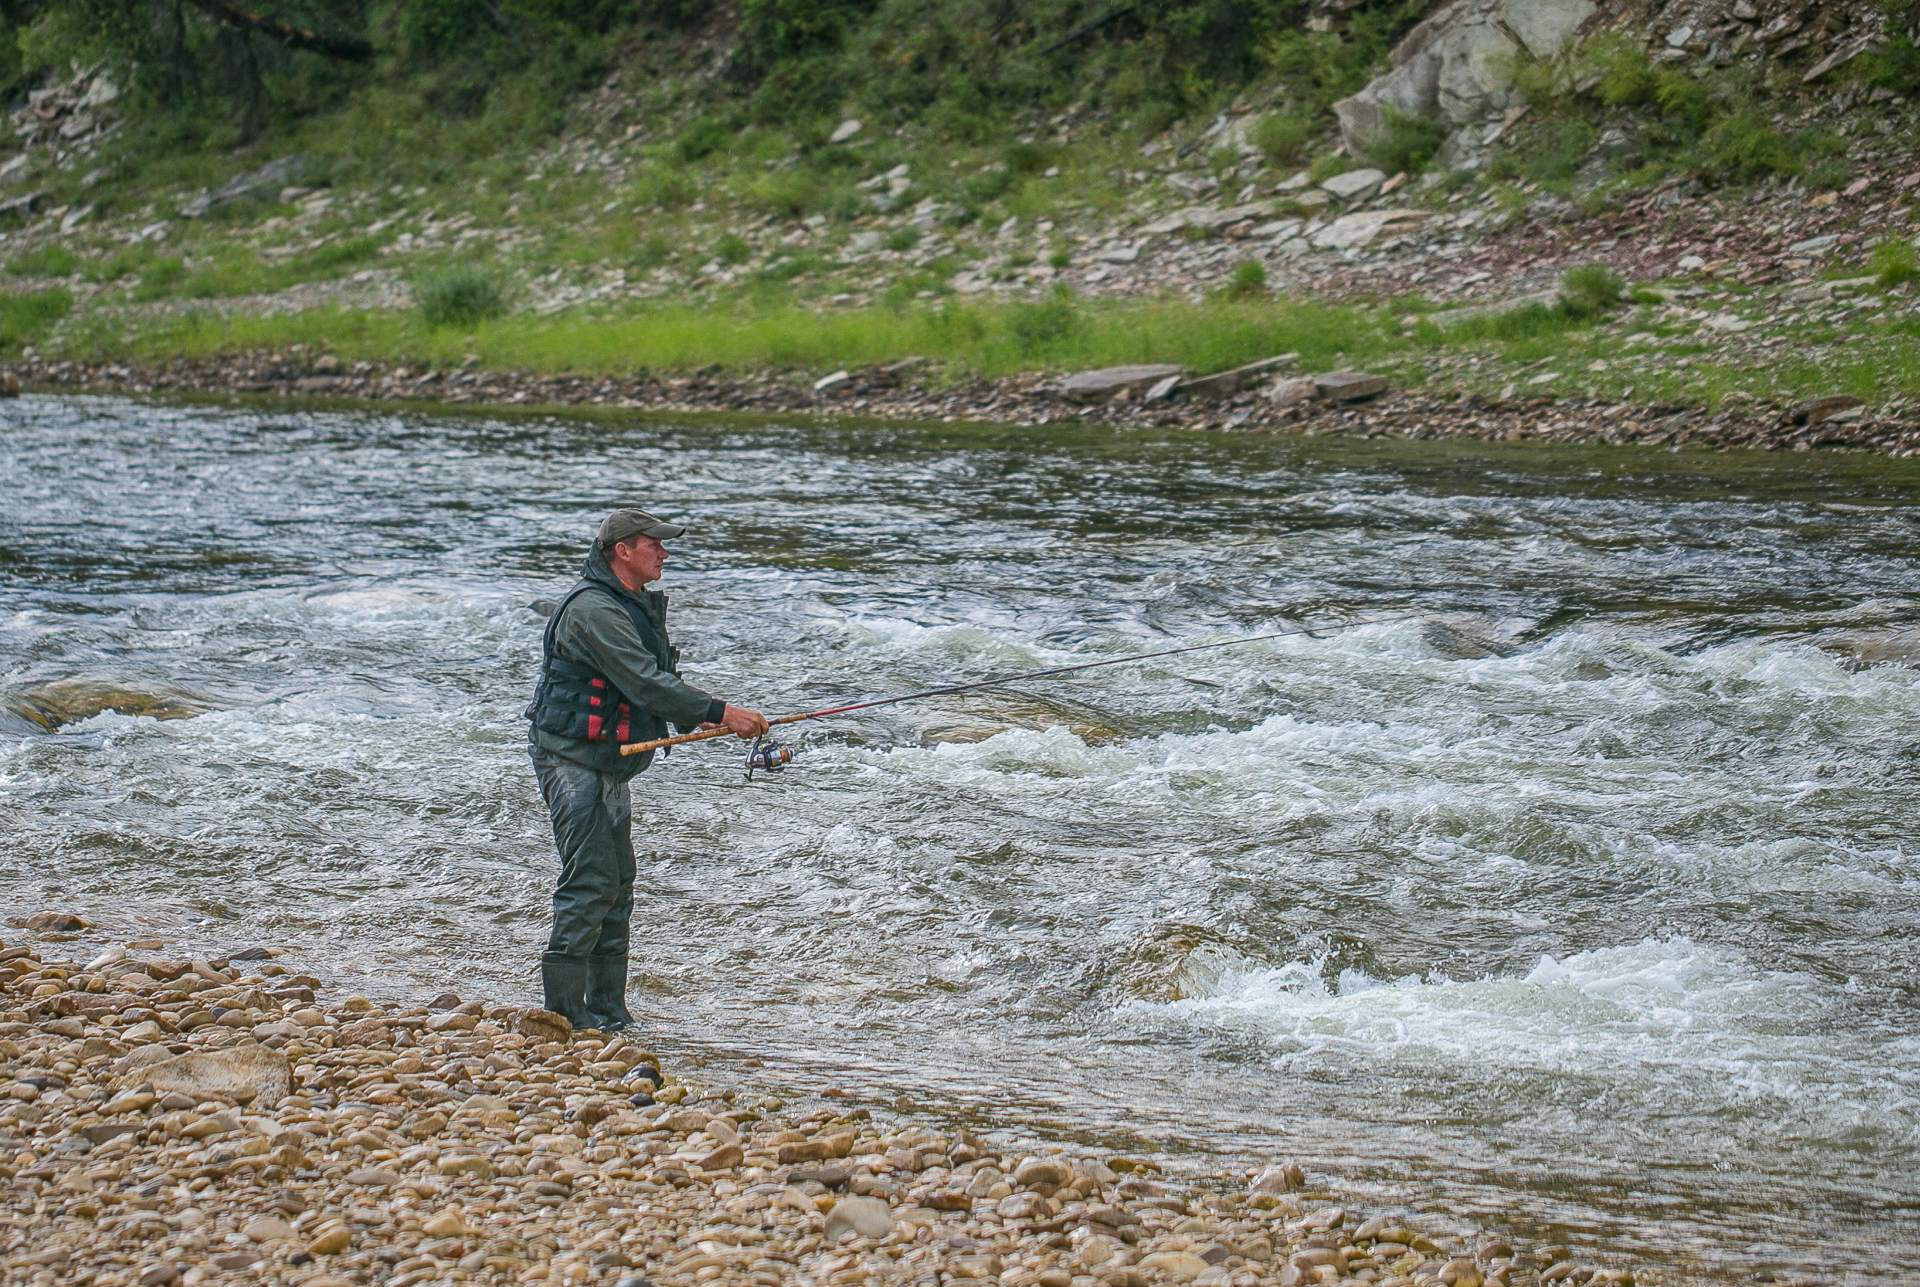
(1589, 894)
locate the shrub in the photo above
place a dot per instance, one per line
(1031, 158)
(733, 249)
(1328, 166)
(790, 193)
(158, 278)
(1060, 259)
(22, 315)
(1033, 327)
(458, 295)
(904, 239)
(47, 261)
(1893, 261)
(988, 185)
(1407, 143)
(1247, 280)
(1282, 137)
(1590, 290)
(1894, 65)
(702, 139)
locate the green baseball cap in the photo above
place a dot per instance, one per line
(625, 524)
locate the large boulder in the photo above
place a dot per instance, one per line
(1457, 65)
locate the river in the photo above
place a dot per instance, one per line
(1581, 906)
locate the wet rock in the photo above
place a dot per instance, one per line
(55, 923)
(1349, 386)
(860, 1218)
(70, 701)
(1284, 1177)
(1116, 382)
(543, 1025)
(251, 1075)
(1038, 1170)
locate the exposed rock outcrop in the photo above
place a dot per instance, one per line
(1457, 66)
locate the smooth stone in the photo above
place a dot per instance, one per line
(248, 1074)
(1353, 183)
(861, 1217)
(1349, 386)
(1111, 382)
(268, 1229)
(1037, 1170)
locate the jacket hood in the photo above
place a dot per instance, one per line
(597, 569)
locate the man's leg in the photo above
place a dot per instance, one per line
(607, 965)
(589, 884)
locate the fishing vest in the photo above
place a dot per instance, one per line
(576, 701)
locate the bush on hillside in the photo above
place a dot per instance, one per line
(24, 314)
(458, 295)
(1407, 143)
(1893, 261)
(1590, 290)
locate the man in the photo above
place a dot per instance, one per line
(608, 675)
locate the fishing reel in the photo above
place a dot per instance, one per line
(767, 756)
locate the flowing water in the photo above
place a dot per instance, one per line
(1581, 907)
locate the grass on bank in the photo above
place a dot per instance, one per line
(1595, 344)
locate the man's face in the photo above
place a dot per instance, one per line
(641, 559)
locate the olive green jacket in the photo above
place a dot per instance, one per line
(595, 631)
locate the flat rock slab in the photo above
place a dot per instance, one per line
(1367, 227)
(1225, 383)
(1451, 317)
(861, 1217)
(1827, 408)
(1349, 386)
(1114, 381)
(1353, 183)
(252, 1075)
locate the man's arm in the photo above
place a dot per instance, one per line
(596, 631)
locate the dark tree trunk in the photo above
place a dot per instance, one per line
(345, 48)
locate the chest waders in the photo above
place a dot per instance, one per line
(583, 973)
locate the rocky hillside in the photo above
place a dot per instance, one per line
(1746, 170)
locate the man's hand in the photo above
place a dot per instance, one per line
(744, 723)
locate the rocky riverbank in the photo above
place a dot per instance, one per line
(903, 391)
(171, 1120)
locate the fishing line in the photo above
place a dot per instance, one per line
(769, 757)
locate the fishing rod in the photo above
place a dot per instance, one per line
(771, 757)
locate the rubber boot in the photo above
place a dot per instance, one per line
(607, 991)
(564, 982)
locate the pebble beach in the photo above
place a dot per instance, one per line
(195, 1121)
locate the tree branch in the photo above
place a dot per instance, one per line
(345, 48)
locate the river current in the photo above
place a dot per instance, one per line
(1582, 906)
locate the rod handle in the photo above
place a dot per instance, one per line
(705, 734)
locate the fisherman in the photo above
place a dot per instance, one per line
(608, 675)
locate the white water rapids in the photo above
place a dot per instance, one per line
(1581, 907)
